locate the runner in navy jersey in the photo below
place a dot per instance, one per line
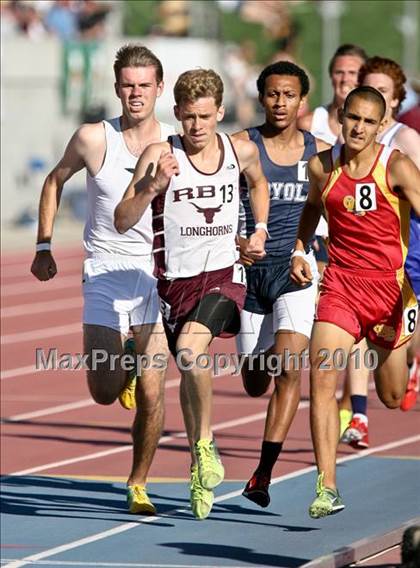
(192, 183)
(278, 315)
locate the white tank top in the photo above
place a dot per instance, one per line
(104, 192)
(320, 127)
(196, 220)
(388, 136)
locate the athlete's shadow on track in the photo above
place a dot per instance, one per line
(70, 426)
(235, 553)
(243, 510)
(240, 514)
(84, 499)
(71, 498)
(71, 439)
(243, 453)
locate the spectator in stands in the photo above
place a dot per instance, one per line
(61, 20)
(91, 19)
(174, 18)
(28, 18)
(272, 14)
(8, 19)
(243, 72)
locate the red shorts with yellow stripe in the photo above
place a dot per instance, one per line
(380, 306)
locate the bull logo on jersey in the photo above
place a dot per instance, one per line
(208, 212)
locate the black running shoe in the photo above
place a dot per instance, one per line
(256, 489)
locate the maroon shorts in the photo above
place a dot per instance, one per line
(179, 297)
(380, 306)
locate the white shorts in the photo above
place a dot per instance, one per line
(293, 311)
(119, 292)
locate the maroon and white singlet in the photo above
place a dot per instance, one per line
(196, 220)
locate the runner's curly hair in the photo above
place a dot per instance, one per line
(284, 68)
(387, 67)
(198, 83)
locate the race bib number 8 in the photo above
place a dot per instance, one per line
(365, 197)
(410, 319)
(239, 275)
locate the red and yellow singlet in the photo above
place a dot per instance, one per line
(365, 289)
(368, 222)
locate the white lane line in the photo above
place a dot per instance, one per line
(69, 406)
(51, 410)
(169, 383)
(351, 457)
(112, 451)
(41, 333)
(128, 526)
(41, 307)
(25, 269)
(36, 287)
(96, 455)
(18, 372)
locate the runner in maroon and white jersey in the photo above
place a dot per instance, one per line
(193, 186)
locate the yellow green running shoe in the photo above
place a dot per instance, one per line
(138, 501)
(210, 469)
(201, 499)
(345, 419)
(127, 396)
(327, 501)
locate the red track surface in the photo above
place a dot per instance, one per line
(46, 315)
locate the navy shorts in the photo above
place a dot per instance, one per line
(267, 280)
(412, 263)
(321, 254)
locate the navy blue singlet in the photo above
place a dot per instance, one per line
(288, 192)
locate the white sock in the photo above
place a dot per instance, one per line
(362, 417)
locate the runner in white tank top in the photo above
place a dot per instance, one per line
(320, 127)
(389, 79)
(194, 194)
(100, 236)
(343, 69)
(118, 286)
(112, 299)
